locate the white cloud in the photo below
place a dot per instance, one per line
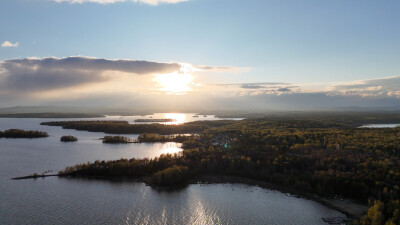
(381, 88)
(221, 69)
(99, 81)
(389, 86)
(8, 44)
(42, 74)
(150, 2)
(51, 74)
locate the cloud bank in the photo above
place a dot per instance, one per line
(382, 93)
(384, 87)
(33, 74)
(7, 44)
(150, 2)
(85, 81)
(41, 75)
(388, 87)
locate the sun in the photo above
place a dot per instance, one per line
(174, 83)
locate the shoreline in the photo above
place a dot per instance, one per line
(351, 208)
(50, 115)
(35, 176)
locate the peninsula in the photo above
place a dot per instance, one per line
(17, 133)
(318, 156)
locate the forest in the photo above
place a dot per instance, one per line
(146, 137)
(123, 127)
(326, 156)
(68, 138)
(17, 133)
(116, 140)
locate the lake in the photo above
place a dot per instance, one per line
(380, 125)
(178, 117)
(56, 200)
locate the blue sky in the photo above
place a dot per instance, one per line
(298, 42)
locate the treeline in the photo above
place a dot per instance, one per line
(137, 168)
(123, 127)
(334, 119)
(146, 138)
(68, 138)
(161, 170)
(116, 139)
(171, 176)
(162, 138)
(154, 120)
(17, 133)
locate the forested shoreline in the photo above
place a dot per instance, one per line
(18, 133)
(146, 137)
(49, 115)
(123, 127)
(321, 156)
(68, 138)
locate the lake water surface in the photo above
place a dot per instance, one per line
(81, 201)
(393, 125)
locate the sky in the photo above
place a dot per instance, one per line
(220, 54)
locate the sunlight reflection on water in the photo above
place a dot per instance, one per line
(178, 117)
(171, 148)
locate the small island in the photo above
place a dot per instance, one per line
(17, 133)
(117, 140)
(68, 138)
(154, 120)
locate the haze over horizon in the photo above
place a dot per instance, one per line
(233, 55)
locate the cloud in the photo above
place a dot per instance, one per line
(89, 81)
(251, 86)
(54, 77)
(260, 88)
(8, 44)
(283, 89)
(383, 93)
(150, 2)
(222, 68)
(32, 74)
(372, 88)
(383, 87)
(257, 85)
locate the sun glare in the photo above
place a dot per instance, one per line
(171, 148)
(178, 117)
(174, 83)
